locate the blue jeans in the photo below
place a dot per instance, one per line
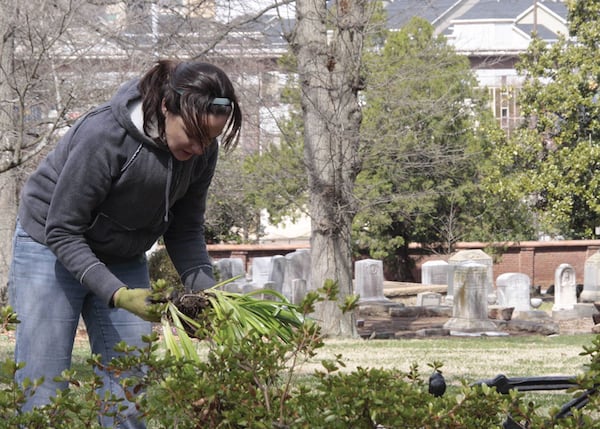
(49, 302)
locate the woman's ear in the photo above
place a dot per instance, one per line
(163, 106)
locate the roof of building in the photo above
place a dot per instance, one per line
(448, 17)
(443, 13)
(401, 11)
(509, 9)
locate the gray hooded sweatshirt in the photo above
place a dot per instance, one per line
(107, 192)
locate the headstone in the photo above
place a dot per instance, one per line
(591, 279)
(267, 296)
(277, 273)
(249, 287)
(565, 292)
(298, 290)
(369, 280)
(429, 299)
(261, 268)
(513, 290)
(228, 268)
(234, 287)
(470, 304)
(223, 269)
(237, 268)
(474, 255)
(434, 273)
(297, 267)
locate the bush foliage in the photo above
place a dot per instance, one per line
(254, 382)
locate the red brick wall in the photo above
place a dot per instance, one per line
(537, 259)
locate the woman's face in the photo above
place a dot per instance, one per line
(180, 144)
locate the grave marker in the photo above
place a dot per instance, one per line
(429, 299)
(565, 293)
(475, 255)
(296, 267)
(369, 280)
(434, 273)
(591, 279)
(513, 290)
(470, 303)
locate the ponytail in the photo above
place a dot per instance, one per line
(152, 87)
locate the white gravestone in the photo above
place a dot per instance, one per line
(429, 299)
(434, 273)
(513, 290)
(591, 279)
(261, 268)
(369, 280)
(297, 267)
(470, 304)
(565, 288)
(237, 268)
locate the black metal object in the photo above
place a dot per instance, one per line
(504, 384)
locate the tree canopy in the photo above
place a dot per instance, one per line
(426, 133)
(426, 164)
(554, 160)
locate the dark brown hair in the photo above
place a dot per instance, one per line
(188, 89)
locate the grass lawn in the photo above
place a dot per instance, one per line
(470, 359)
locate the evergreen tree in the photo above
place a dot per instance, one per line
(554, 159)
(426, 133)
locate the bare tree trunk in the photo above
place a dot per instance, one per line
(330, 79)
(8, 181)
(8, 216)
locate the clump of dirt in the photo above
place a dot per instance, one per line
(192, 305)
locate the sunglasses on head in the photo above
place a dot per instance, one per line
(220, 106)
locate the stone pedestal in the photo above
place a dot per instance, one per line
(470, 305)
(473, 255)
(585, 309)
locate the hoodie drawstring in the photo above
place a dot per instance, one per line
(168, 188)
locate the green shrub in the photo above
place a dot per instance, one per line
(77, 407)
(254, 382)
(160, 267)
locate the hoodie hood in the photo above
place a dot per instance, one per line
(125, 105)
